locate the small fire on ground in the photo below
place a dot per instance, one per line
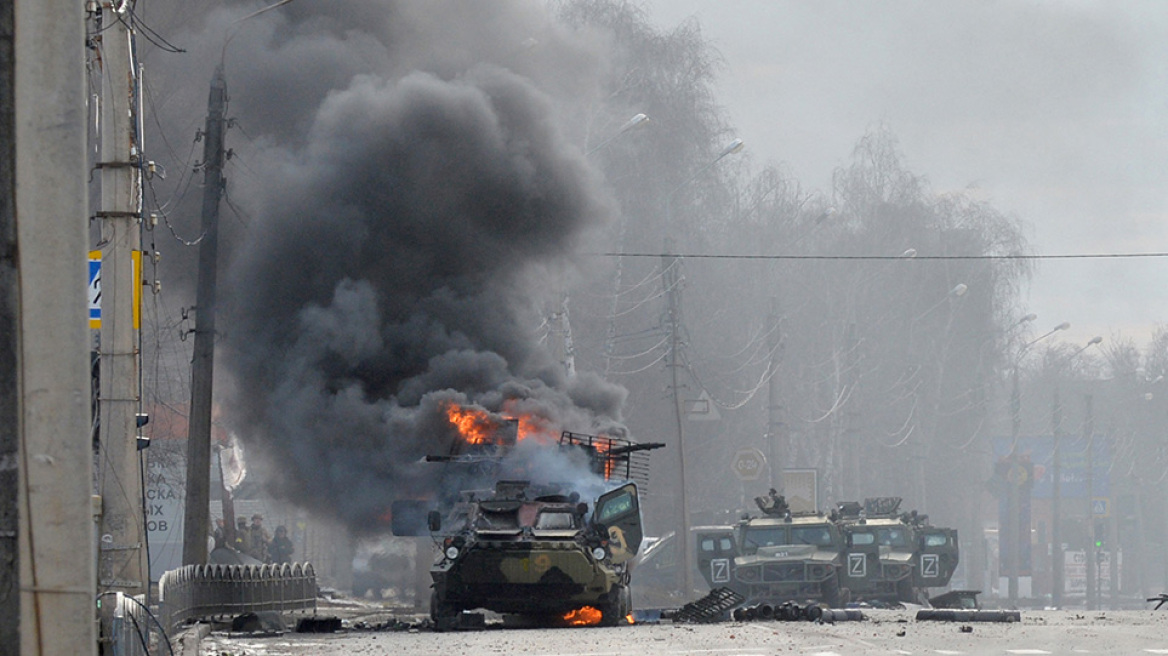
(585, 616)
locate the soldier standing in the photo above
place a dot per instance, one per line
(242, 536)
(259, 538)
(281, 547)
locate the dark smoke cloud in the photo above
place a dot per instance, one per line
(406, 224)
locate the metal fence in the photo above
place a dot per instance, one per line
(127, 625)
(219, 591)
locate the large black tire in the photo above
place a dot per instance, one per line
(831, 593)
(443, 615)
(613, 613)
(905, 591)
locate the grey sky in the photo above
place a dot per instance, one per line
(1053, 111)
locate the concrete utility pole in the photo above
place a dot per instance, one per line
(1056, 536)
(776, 428)
(9, 344)
(197, 511)
(1089, 551)
(57, 582)
(122, 554)
(671, 266)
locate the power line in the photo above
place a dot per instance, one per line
(740, 256)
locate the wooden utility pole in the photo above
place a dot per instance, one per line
(55, 462)
(197, 511)
(122, 535)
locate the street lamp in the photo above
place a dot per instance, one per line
(672, 288)
(731, 148)
(1014, 535)
(637, 119)
(1056, 547)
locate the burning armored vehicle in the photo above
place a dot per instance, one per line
(553, 553)
(537, 551)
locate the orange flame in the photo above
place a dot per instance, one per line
(603, 446)
(585, 616)
(478, 426)
(629, 618)
(531, 425)
(473, 424)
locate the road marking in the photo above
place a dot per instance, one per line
(1157, 651)
(1026, 651)
(949, 653)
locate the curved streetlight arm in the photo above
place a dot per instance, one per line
(639, 119)
(731, 148)
(1062, 326)
(235, 23)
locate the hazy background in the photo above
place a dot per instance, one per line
(1053, 111)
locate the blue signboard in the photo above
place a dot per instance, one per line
(1038, 451)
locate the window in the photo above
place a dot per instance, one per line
(893, 537)
(819, 536)
(615, 506)
(554, 521)
(863, 539)
(497, 521)
(936, 540)
(764, 537)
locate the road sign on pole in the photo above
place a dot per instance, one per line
(748, 463)
(1099, 507)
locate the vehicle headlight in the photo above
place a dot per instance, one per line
(452, 552)
(599, 553)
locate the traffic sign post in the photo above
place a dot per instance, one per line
(1100, 506)
(748, 464)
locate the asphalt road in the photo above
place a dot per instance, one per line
(885, 632)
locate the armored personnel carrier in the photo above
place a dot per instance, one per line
(537, 551)
(542, 551)
(779, 556)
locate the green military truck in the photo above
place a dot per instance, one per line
(779, 556)
(889, 556)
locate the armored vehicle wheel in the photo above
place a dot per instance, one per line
(443, 615)
(831, 593)
(905, 591)
(614, 612)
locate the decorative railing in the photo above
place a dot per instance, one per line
(221, 591)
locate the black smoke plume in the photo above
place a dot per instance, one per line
(406, 225)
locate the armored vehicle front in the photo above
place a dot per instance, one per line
(538, 551)
(779, 556)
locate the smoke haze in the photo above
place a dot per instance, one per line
(410, 206)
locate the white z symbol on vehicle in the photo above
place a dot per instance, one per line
(930, 565)
(720, 570)
(857, 565)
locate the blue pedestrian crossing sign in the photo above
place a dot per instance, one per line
(94, 289)
(1099, 506)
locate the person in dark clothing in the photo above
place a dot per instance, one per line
(242, 536)
(280, 550)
